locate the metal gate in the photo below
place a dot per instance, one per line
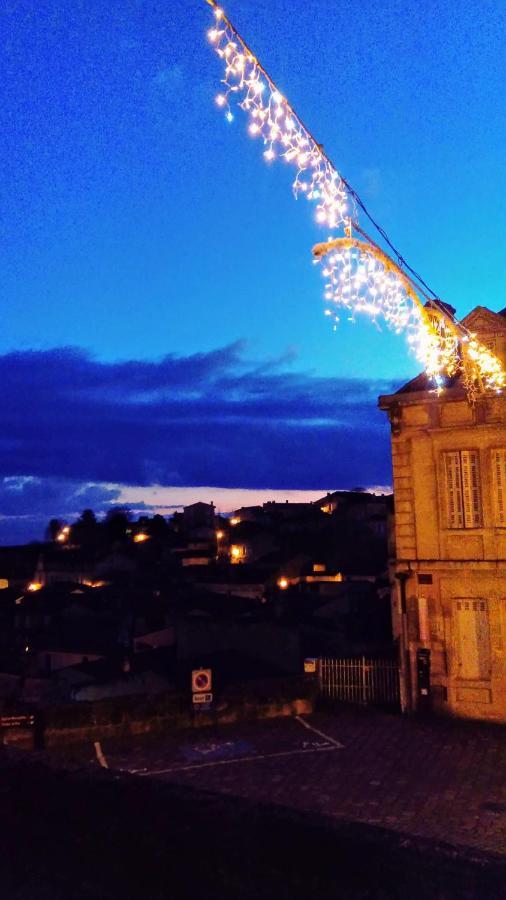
(360, 680)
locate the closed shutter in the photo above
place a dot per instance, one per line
(471, 489)
(454, 510)
(499, 470)
(473, 639)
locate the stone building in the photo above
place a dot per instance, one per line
(449, 606)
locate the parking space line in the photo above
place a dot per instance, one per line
(228, 762)
(100, 755)
(336, 744)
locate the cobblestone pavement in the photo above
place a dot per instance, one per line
(437, 779)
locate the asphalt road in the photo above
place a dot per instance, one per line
(437, 779)
(348, 804)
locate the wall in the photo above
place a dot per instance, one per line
(88, 722)
(443, 565)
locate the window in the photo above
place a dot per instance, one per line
(499, 475)
(473, 640)
(463, 489)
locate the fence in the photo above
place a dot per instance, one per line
(360, 680)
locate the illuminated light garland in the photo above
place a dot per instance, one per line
(272, 119)
(359, 276)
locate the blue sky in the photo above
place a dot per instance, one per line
(138, 225)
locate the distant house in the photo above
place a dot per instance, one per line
(250, 544)
(52, 656)
(286, 517)
(248, 514)
(18, 565)
(57, 565)
(197, 557)
(280, 511)
(357, 504)
(198, 515)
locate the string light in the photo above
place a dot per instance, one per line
(272, 119)
(359, 276)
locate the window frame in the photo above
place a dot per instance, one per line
(463, 478)
(498, 514)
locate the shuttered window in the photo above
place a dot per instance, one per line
(473, 639)
(471, 488)
(454, 508)
(499, 473)
(463, 489)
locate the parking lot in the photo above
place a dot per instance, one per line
(437, 779)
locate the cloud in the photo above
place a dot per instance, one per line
(70, 421)
(27, 503)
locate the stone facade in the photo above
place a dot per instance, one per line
(449, 476)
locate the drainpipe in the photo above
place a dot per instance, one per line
(404, 657)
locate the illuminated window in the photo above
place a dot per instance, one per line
(499, 476)
(463, 489)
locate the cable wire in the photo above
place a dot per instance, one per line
(430, 295)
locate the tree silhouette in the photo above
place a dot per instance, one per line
(53, 529)
(86, 531)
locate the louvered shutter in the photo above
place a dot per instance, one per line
(471, 488)
(473, 639)
(454, 510)
(499, 469)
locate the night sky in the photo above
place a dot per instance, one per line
(162, 331)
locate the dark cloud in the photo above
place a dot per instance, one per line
(209, 419)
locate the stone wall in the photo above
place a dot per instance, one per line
(88, 722)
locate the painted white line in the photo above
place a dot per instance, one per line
(100, 756)
(322, 734)
(228, 762)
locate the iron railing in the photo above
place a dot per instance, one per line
(360, 680)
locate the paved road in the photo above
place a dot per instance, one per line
(435, 779)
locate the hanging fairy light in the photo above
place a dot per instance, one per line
(274, 122)
(359, 276)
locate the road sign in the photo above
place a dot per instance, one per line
(202, 681)
(202, 698)
(20, 721)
